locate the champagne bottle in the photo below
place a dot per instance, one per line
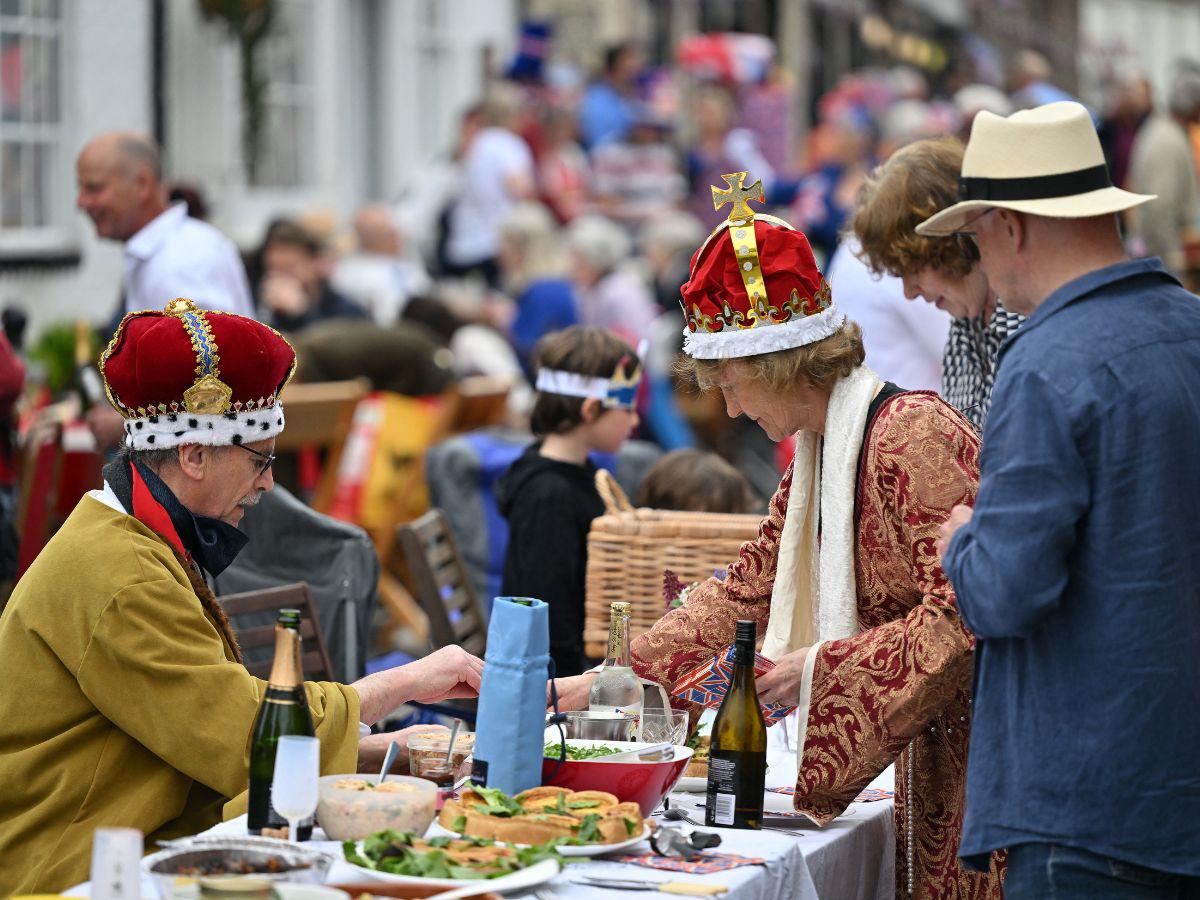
(284, 710)
(616, 688)
(737, 759)
(85, 380)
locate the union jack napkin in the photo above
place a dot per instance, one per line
(706, 685)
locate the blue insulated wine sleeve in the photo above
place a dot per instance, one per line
(512, 699)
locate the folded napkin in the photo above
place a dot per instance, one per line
(705, 864)
(707, 684)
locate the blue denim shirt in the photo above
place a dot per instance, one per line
(1080, 576)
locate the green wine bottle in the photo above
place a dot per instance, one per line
(284, 710)
(737, 759)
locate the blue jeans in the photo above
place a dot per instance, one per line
(1055, 872)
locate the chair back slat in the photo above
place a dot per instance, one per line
(319, 416)
(256, 636)
(426, 557)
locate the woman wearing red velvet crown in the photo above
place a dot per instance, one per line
(844, 578)
(124, 701)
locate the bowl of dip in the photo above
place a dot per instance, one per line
(353, 807)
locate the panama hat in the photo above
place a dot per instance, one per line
(1044, 161)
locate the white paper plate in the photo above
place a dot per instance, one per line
(515, 881)
(693, 784)
(603, 849)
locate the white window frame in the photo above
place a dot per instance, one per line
(301, 95)
(60, 235)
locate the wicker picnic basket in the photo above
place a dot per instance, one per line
(629, 549)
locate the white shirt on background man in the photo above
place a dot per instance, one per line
(177, 256)
(904, 339)
(495, 156)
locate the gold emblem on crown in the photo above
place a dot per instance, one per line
(738, 195)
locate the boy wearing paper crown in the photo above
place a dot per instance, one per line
(843, 579)
(125, 701)
(587, 383)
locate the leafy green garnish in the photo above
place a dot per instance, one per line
(459, 823)
(498, 802)
(553, 749)
(589, 829)
(393, 852)
(630, 826)
(583, 804)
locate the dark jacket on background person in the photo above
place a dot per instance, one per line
(405, 358)
(550, 506)
(1079, 574)
(329, 305)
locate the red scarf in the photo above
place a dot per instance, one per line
(154, 515)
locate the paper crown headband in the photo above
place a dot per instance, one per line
(619, 391)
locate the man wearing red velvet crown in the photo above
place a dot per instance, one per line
(844, 579)
(124, 701)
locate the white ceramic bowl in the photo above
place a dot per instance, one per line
(351, 815)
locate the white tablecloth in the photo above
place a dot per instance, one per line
(853, 858)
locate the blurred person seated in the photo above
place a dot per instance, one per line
(293, 293)
(971, 100)
(533, 267)
(1128, 103)
(167, 254)
(641, 177)
(402, 358)
(380, 276)
(612, 295)
(1162, 164)
(609, 105)
(192, 196)
(1031, 81)
(496, 173)
(563, 172)
(126, 702)
(697, 481)
(474, 347)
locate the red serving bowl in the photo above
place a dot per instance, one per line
(643, 783)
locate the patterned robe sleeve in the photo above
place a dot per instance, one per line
(694, 633)
(873, 692)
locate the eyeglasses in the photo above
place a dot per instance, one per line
(966, 239)
(268, 459)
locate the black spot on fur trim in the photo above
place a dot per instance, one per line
(154, 420)
(149, 439)
(237, 439)
(230, 415)
(250, 422)
(171, 417)
(138, 424)
(192, 423)
(210, 426)
(180, 433)
(266, 425)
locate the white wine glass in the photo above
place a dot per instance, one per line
(294, 787)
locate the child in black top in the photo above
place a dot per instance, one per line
(586, 386)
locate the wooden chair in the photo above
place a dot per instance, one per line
(319, 416)
(41, 462)
(258, 610)
(477, 401)
(426, 559)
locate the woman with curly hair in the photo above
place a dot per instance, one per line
(916, 182)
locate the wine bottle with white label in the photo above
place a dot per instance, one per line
(616, 688)
(737, 759)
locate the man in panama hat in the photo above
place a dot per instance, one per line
(1079, 568)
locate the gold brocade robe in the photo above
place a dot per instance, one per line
(906, 677)
(121, 703)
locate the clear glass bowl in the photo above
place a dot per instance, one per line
(347, 814)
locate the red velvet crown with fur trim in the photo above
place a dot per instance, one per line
(754, 286)
(192, 376)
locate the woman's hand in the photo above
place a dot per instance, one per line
(572, 691)
(782, 683)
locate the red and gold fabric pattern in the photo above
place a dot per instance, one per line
(905, 679)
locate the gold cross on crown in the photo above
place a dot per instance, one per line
(737, 195)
